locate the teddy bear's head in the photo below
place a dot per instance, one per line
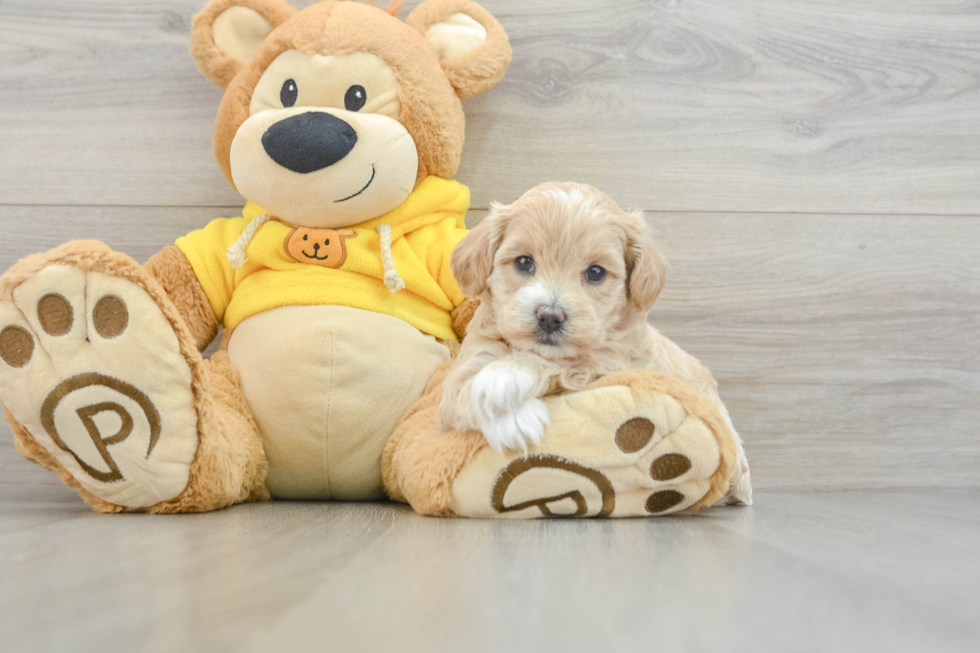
(332, 115)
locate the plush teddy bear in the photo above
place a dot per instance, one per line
(342, 126)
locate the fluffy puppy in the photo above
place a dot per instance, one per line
(565, 279)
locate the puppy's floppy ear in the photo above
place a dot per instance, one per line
(227, 34)
(471, 45)
(646, 267)
(472, 259)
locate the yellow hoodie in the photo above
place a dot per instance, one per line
(286, 265)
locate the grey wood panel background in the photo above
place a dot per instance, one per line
(845, 345)
(812, 168)
(696, 105)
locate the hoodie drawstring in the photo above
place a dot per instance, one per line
(393, 280)
(236, 253)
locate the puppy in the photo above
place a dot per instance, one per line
(565, 279)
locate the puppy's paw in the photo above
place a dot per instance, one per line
(499, 390)
(518, 428)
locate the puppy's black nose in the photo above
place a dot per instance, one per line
(309, 142)
(550, 320)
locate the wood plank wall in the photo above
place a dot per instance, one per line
(812, 169)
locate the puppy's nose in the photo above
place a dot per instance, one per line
(309, 141)
(550, 319)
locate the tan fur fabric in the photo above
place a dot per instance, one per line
(230, 463)
(226, 469)
(174, 273)
(211, 61)
(462, 316)
(230, 466)
(479, 69)
(429, 95)
(420, 464)
(29, 448)
(640, 381)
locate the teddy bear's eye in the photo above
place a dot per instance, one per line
(289, 93)
(355, 98)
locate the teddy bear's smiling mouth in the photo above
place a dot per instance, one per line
(314, 256)
(373, 172)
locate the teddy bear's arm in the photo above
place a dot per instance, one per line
(173, 271)
(462, 316)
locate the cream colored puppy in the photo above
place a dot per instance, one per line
(565, 280)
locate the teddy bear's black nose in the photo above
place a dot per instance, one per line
(309, 141)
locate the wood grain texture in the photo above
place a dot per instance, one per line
(809, 165)
(693, 105)
(845, 346)
(889, 571)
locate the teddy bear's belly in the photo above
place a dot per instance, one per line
(327, 385)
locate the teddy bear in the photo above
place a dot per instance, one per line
(342, 126)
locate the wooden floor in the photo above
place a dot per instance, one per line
(857, 571)
(812, 169)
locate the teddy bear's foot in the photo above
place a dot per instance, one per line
(95, 380)
(635, 443)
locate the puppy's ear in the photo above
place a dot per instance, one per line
(471, 45)
(227, 34)
(646, 267)
(472, 259)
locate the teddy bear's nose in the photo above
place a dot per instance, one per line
(309, 141)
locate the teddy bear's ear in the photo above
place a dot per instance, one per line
(471, 45)
(227, 34)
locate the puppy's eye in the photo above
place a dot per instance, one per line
(524, 264)
(595, 274)
(327, 242)
(306, 237)
(289, 93)
(355, 98)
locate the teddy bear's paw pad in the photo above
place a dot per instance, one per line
(669, 466)
(607, 453)
(93, 369)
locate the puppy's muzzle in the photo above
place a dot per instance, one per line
(309, 141)
(551, 320)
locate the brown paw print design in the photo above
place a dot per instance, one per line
(632, 436)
